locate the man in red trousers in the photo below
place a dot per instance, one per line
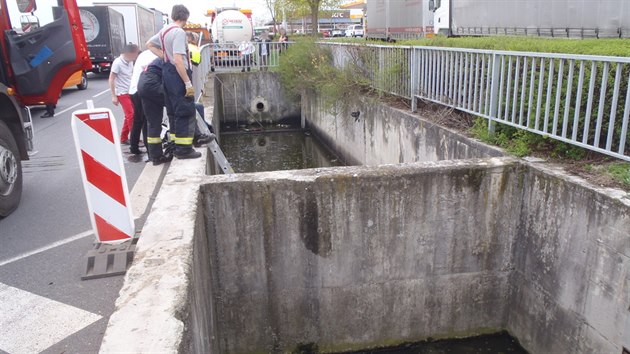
(119, 81)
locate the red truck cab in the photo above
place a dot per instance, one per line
(35, 67)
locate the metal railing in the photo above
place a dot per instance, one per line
(386, 68)
(234, 57)
(205, 66)
(578, 99)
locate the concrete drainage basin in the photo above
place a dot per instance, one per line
(432, 236)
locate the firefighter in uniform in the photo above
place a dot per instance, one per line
(170, 44)
(151, 91)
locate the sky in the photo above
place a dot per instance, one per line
(197, 8)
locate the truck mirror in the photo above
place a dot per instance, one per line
(29, 23)
(26, 6)
(431, 5)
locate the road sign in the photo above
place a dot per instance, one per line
(104, 181)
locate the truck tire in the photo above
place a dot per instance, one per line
(10, 172)
(84, 82)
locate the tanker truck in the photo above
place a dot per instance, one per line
(229, 28)
(231, 25)
(558, 18)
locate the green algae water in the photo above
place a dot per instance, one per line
(275, 151)
(500, 343)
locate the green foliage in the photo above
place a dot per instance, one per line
(568, 151)
(608, 47)
(617, 171)
(521, 143)
(306, 66)
(620, 172)
(312, 8)
(480, 131)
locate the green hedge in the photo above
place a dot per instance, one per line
(608, 47)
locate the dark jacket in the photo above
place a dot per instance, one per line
(150, 83)
(266, 44)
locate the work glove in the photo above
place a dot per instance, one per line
(190, 90)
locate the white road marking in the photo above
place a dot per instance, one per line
(140, 198)
(100, 93)
(46, 248)
(69, 108)
(31, 323)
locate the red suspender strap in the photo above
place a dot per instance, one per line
(162, 35)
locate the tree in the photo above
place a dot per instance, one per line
(310, 6)
(273, 6)
(313, 6)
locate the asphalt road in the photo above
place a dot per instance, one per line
(52, 305)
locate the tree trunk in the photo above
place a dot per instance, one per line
(314, 5)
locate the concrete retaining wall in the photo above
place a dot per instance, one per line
(352, 258)
(570, 290)
(384, 135)
(355, 257)
(236, 96)
(359, 256)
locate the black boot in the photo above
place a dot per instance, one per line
(135, 150)
(187, 154)
(50, 111)
(161, 159)
(203, 139)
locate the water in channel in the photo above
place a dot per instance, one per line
(275, 151)
(500, 343)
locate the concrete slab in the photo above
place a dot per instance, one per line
(149, 308)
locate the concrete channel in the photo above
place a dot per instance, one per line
(435, 235)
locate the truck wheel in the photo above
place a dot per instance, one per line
(10, 172)
(84, 82)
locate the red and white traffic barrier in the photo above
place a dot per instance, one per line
(104, 181)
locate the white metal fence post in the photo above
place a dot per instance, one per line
(494, 91)
(413, 89)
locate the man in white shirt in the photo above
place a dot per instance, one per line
(247, 49)
(119, 82)
(139, 120)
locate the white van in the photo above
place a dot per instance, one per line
(354, 31)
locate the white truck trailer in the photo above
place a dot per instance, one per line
(397, 19)
(140, 23)
(557, 18)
